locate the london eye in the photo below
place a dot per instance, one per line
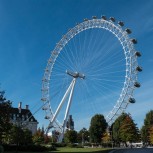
(92, 69)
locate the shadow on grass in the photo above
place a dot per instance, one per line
(58, 151)
(98, 151)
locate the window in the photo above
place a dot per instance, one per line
(22, 117)
(14, 117)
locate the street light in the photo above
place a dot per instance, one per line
(82, 139)
(18, 125)
(110, 131)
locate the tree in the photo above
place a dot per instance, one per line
(5, 109)
(16, 135)
(38, 137)
(83, 136)
(27, 137)
(115, 128)
(151, 134)
(13, 135)
(144, 134)
(148, 123)
(128, 130)
(97, 128)
(70, 136)
(106, 137)
(19, 136)
(125, 130)
(47, 139)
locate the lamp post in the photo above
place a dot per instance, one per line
(111, 134)
(18, 126)
(110, 131)
(82, 139)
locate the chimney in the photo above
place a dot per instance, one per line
(26, 106)
(20, 106)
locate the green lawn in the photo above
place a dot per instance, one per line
(66, 149)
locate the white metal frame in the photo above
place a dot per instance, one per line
(130, 77)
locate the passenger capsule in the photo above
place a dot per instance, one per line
(131, 100)
(128, 31)
(94, 17)
(104, 17)
(138, 54)
(50, 60)
(44, 89)
(47, 117)
(55, 52)
(121, 23)
(43, 99)
(47, 70)
(137, 84)
(112, 19)
(44, 108)
(134, 41)
(85, 19)
(45, 80)
(139, 68)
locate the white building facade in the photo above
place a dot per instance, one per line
(23, 117)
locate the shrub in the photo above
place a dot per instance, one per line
(9, 147)
(37, 148)
(51, 148)
(1, 149)
(79, 146)
(88, 144)
(72, 145)
(59, 144)
(29, 148)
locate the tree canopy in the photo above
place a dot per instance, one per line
(145, 130)
(97, 128)
(5, 109)
(70, 136)
(38, 137)
(151, 134)
(83, 135)
(125, 130)
(106, 137)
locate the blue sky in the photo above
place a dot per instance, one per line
(30, 29)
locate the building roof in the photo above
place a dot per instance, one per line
(25, 115)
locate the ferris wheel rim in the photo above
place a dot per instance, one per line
(129, 52)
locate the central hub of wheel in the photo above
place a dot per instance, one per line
(75, 74)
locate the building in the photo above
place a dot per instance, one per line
(70, 123)
(23, 117)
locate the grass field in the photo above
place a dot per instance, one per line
(66, 149)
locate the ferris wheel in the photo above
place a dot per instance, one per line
(93, 67)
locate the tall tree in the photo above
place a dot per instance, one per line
(106, 137)
(38, 137)
(70, 136)
(27, 137)
(97, 128)
(5, 109)
(128, 130)
(116, 127)
(19, 136)
(151, 135)
(83, 135)
(148, 123)
(125, 130)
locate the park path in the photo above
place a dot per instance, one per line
(136, 150)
